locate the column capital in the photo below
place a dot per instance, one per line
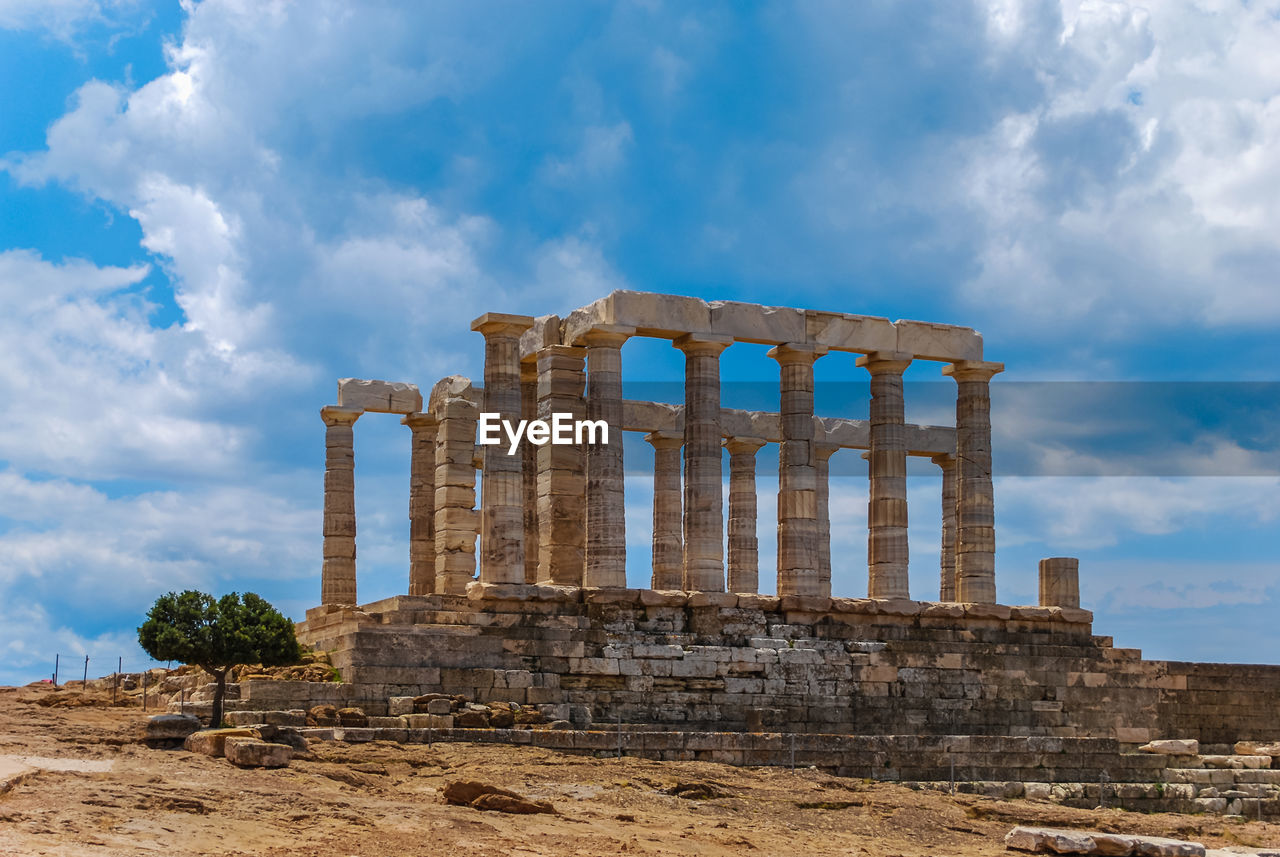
(797, 352)
(606, 334)
(665, 439)
(824, 451)
(702, 343)
(336, 415)
(885, 362)
(420, 422)
(748, 445)
(972, 370)
(943, 459)
(502, 324)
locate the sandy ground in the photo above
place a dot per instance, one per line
(72, 782)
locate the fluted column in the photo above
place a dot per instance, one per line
(887, 508)
(562, 505)
(606, 561)
(947, 584)
(744, 547)
(975, 501)
(502, 479)
(797, 475)
(338, 573)
(668, 544)
(703, 474)
(422, 503)
(457, 522)
(822, 453)
(529, 468)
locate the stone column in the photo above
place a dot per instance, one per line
(562, 505)
(822, 453)
(457, 522)
(422, 503)
(502, 479)
(744, 547)
(797, 475)
(606, 561)
(668, 543)
(975, 502)
(338, 574)
(1060, 582)
(947, 584)
(529, 468)
(703, 474)
(887, 509)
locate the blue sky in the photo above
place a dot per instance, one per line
(209, 211)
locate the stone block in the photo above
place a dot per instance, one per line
(845, 332)
(1172, 747)
(754, 323)
(379, 396)
(164, 728)
(945, 342)
(212, 742)
(398, 705)
(254, 753)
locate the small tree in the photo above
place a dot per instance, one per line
(193, 628)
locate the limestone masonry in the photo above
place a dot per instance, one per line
(524, 600)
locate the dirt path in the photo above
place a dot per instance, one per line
(78, 785)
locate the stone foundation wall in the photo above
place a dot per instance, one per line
(709, 661)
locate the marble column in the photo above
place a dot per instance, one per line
(887, 509)
(422, 503)
(668, 543)
(703, 473)
(502, 478)
(562, 484)
(529, 467)
(338, 574)
(947, 585)
(822, 453)
(975, 501)
(797, 474)
(744, 547)
(457, 522)
(606, 560)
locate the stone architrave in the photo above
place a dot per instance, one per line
(422, 503)
(887, 508)
(744, 546)
(703, 472)
(668, 542)
(457, 522)
(947, 562)
(561, 479)
(529, 468)
(502, 478)
(822, 453)
(975, 500)
(797, 475)
(606, 560)
(338, 574)
(1060, 582)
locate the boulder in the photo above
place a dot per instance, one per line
(491, 798)
(323, 715)
(1047, 839)
(165, 731)
(559, 724)
(471, 720)
(253, 753)
(352, 718)
(502, 719)
(212, 742)
(529, 717)
(439, 706)
(1172, 747)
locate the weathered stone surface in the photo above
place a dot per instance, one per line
(491, 798)
(1050, 840)
(352, 717)
(255, 753)
(169, 729)
(379, 396)
(1254, 748)
(323, 715)
(212, 742)
(1172, 747)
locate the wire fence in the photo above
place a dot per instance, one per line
(125, 675)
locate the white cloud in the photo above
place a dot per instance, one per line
(62, 18)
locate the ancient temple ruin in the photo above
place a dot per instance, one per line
(524, 600)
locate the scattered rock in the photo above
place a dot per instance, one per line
(1172, 747)
(530, 718)
(559, 724)
(502, 719)
(254, 753)
(491, 798)
(323, 715)
(352, 718)
(471, 720)
(213, 742)
(1055, 841)
(438, 706)
(169, 731)
(1253, 748)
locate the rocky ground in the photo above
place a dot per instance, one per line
(73, 782)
